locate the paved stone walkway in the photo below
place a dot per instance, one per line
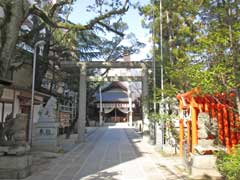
(110, 153)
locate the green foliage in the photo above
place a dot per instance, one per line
(163, 117)
(200, 44)
(228, 164)
(169, 91)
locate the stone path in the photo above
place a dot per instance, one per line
(111, 153)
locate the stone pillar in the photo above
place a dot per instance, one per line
(82, 104)
(101, 118)
(130, 121)
(130, 118)
(100, 108)
(145, 103)
(160, 130)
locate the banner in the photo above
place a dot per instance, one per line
(113, 105)
(108, 110)
(123, 110)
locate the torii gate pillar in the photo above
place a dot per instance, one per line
(82, 104)
(145, 103)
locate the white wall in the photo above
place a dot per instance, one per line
(16, 108)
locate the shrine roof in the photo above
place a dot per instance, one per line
(113, 96)
(115, 85)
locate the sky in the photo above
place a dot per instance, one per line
(132, 18)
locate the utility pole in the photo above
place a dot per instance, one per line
(161, 48)
(37, 44)
(154, 76)
(161, 55)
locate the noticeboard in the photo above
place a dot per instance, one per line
(64, 118)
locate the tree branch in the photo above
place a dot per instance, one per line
(111, 29)
(30, 34)
(78, 27)
(58, 4)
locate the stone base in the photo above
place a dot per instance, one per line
(81, 137)
(46, 144)
(146, 136)
(168, 150)
(15, 151)
(204, 166)
(15, 167)
(46, 147)
(46, 138)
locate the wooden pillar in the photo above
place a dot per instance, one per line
(207, 108)
(194, 128)
(220, 123)
(226, 129)
(237, 121)
(181, 137)
(232, 127)
(82, 104)
(213, 109)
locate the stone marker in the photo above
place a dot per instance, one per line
(47, 128)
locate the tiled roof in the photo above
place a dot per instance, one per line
(113, 96)
(115, 85)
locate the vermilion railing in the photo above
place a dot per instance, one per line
(220, 107)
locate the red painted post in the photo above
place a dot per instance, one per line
(220, 123)
(232, 127)
(207, 108)
(226, 128)
(194, 128)
(237, 127)
(213, 110)
(189, 135)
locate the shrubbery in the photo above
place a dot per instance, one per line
(229, 164)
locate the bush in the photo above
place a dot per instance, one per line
(229, 164)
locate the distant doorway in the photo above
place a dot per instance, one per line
(115, 116)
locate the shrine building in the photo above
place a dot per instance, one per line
(116, 103)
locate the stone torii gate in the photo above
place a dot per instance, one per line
(83, 66)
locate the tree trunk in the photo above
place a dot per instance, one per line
(15, 13)
(234, 47)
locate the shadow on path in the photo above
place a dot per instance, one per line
(114, 153)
